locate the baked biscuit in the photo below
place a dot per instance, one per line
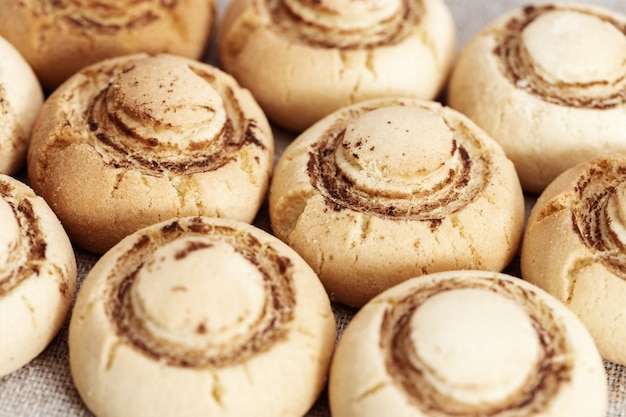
(136, 140)
(574, 248)
(304, 59)
(37, 275)
(388, 189)
(548, 82)
(467, 343)
(201, 317)
(58, 38)
(20, 100)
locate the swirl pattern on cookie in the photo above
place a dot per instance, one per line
(409, 181)
(413, 179)
(466, 344)
(22, 242)
(568, 69)
(37, 275)
(146, 297)
(574, 247)
(197, 125)
(345, 24)
(599, 214)
(200, 312)
(440, 393)
(107, 16)
(149, 137)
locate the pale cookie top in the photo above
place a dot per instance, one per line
(33, 243)
(543, 51)
(389, 189)
(574, 247)
(397, 159)
(466, 343)
(21, 98)
(37, 275)
(179, 306)
(22, 241)
(343, 24)
(591, 198)
(204, 312)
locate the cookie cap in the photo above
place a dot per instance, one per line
(466, 343)
(37, 275)
(201, 316)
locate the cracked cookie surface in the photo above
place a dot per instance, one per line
(393, 188)
(575, 247)
(304, 59)
(135, 140)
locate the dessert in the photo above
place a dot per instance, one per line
(20, 100)
(135, 140)
(201, 316)
(37, 275)
(304, 59)
(548, 83)
(574, 248)
(58, 38)
(466, 343)
(389, 189)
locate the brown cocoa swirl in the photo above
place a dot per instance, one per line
(28, 249)
(543, 384)
(123, 145)
(107, 16)
(517, 66)
(270, 327)
(5, 108)
(463, 183)
(593, 221)
(318, 30)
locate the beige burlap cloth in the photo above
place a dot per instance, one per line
(44, 388)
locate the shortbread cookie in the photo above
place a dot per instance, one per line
(139, 139)
(575, 248)
(37, 275)
(61, 37)
(20, 100)
(201, 317)
(304, 59)
(548, 83)
(388, 189)
(467, 343)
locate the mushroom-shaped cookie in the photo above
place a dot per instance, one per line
(58, 38)
(548, 82)
(303, 59)
(139, 139)
(467, 343)
(575, 248)
(20, 100)
(389, 189)
(37, 275)
(201, 317)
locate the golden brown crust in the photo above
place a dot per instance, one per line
(59, 38)
(136, 140)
